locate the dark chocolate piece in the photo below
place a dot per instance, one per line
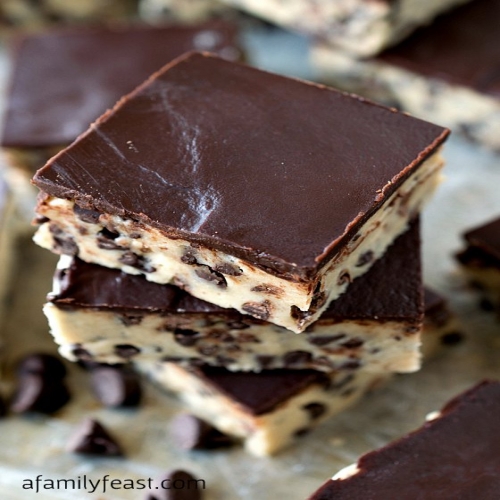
(45, 365)
(453, 456)
(191, 433)
(391, 289)
(176, 485)
(315, 163)
(436, 308)
(261, 392)
(116, 386)
(64, 79)
(460, 47)
(91, 438)
(34, 393)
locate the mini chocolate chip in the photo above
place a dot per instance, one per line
(82, 354)
(192, 433)
(301, 432)
(105, 240)
(189, 258)
(186, 338)
(91, 438)
(208, 274)
(247, 338)
(85, 215)
(296, 358)
(353, 364)
(126, 351)
(365, 258)
(65, 245)
(209, 350)
(353, 343)
(264, 360)
(116, 386)
(135, 236)
(318, 300)
(45, 365)
(40, 219)
(344, 278)
(269, 289)
(348, 392)
(130, 319)
(298, 314)
(260, 310)
(138, 261)
(34, 393)
(347, 379)
(325, 339)
(412, 329)
(228, 269)
(176, 485)
(452, 338)
(237, 325)
(221, 336)
(315, 410)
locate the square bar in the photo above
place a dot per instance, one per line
(446, 72)
(453, 455)
(107, 316)
(249, 190)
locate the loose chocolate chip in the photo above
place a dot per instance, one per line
(42, 364)
(208, 274)
(228, 269)
(176, 485)
(315, 410)
(116, 386)
(192, 433)
(90, 216)
(365, 258)
(126, 351)
(260, 310)
(297, 358)
(452, 338)
(353, 343)
(138, 261)
(34, 393)
(130, 319)
(265, 360)
(186, 338)
(91, 438)
(325, 339)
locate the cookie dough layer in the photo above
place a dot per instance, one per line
(374, 327)
(221, 278)
(361, 27)
(182, 10)
(266, 410)
(445, 73)
(30, 14)
(460, 445)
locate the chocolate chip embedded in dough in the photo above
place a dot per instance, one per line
(208, 274)
(85, 215)
(191, 433)
(116, 386)
(228, 269)
(126, 351)
(325, 339)
(261, 310)
(138, 261)
(365, 258)
(296, 358)
(315, 410)
(91, 438)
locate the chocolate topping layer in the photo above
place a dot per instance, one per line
(65, 79)
(391, 289)
(279, 172)
(483, 246)
(260, 392)
(454, 456)
(460, 47)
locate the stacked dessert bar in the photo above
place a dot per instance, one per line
(250, 241)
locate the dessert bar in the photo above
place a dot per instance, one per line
(64, 79)
(361, 27)
(453, 455)
(447, 72)
(480, 260)
(107, 316)
(249, 190)
(267, 410)
(181, 10)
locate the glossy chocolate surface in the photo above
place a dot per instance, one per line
(461, 47)
(65, 79)
(390, 290)
(276, 171)
(483, 246)
(261, 392)
(454, 456)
